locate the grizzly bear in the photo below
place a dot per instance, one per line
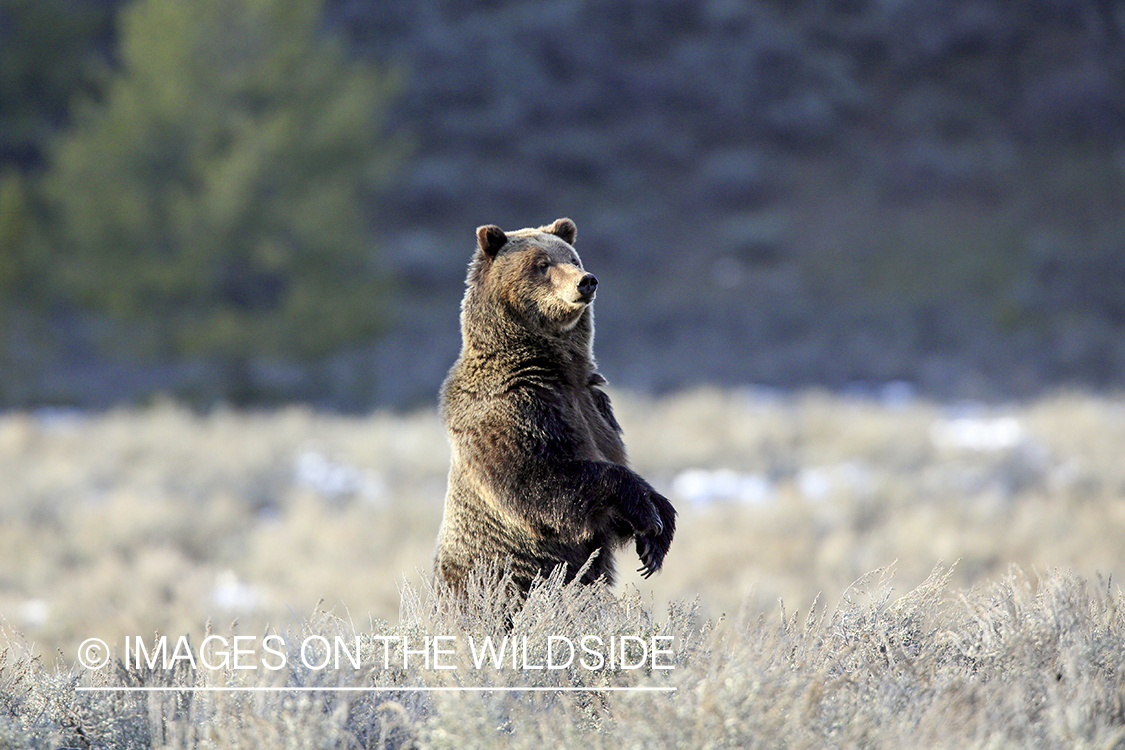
(538, 475)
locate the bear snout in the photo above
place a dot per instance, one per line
(587, 285)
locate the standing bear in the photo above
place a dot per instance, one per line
(538, 475)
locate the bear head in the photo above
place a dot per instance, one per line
(534, 274)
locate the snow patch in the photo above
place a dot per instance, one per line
(706, 486)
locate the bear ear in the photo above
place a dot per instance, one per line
(490, 238)
(564, 229)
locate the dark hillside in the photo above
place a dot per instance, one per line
(842, 194)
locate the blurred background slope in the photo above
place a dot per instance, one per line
(273, 200)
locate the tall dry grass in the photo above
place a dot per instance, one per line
(1013, 664)
(130, 523)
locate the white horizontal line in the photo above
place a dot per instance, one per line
(305, 689)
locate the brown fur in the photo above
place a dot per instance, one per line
(538, 475)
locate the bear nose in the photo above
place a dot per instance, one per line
(587, 284)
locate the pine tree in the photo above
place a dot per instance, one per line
(215, 195)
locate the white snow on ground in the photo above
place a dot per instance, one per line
(336, 480)
(705, 486)
(977, 434)
(234, 595)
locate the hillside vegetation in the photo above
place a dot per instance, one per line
(791, 193)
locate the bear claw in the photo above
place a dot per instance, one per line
(651, 553)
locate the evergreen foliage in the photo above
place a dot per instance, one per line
(213, 199)
(50, 52)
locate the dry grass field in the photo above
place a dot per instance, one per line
(1001, 625)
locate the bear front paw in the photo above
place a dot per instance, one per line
(646, 520)
(654, 540)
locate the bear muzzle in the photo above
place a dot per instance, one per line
(587, 286)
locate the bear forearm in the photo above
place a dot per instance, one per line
(577, 499)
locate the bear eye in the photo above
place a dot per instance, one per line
(543, 265)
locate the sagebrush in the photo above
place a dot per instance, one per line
(1010, 664)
